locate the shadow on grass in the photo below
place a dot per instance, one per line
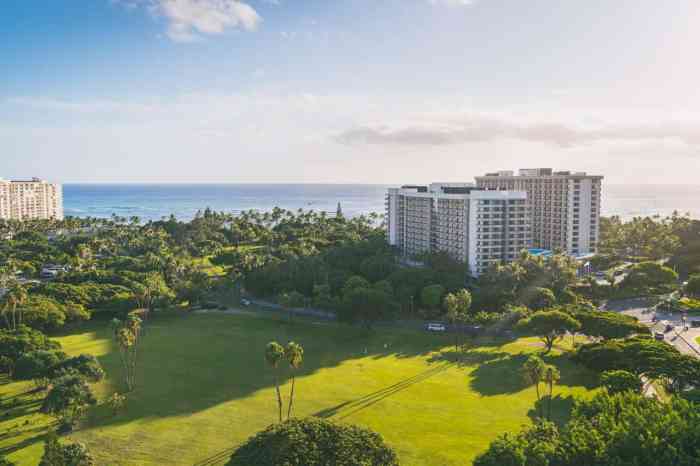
(23, 444)
(218, 458)
(561, 408)
(348, 408)
(16, 433)
(502, 375)
(190, 363)
(466, 357)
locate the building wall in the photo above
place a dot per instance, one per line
(565, 206)
(479, 228)
(34, 199)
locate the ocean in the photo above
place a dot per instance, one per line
(155, 201)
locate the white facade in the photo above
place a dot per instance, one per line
(472, 225)
(33, 199)
(565, 206)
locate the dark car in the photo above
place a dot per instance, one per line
(659, 336)
(669, 327)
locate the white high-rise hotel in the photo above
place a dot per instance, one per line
(565, 206)
(32, 199)
(494, 220)
(475, 226)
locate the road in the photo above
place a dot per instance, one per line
(642, 309)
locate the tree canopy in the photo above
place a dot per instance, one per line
(314, 442)
(550, 326)
(620, 429)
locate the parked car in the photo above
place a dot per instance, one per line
(695, 323)
(669, 327)
(659, 336)
(245, 302)
(435, 327)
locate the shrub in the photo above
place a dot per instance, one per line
(69, 454)
(693, 286)
(37, 364)
(621, 381)
(431, 296)
(68, 399)
(86, 365)
(539, 298)
(314, 442)
(23, 340)
(649, 274)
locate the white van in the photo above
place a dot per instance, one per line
(435, 327)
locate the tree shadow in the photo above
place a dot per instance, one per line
(499, 376)
(23, 444)
(572, 374)
(217, 458)
(190, 363)
(348, 408)
(9, 434)
(465, 357)
(561, 408)
(502, 375)
(200, 361)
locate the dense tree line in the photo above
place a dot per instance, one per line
(619, 429)
(314, 442)
(676, 238)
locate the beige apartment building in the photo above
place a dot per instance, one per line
(565, 206)
(31, 199)
(476, 226)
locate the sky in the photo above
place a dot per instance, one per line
(348, 91)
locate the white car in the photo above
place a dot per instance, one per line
(435, 327)
(245, 302)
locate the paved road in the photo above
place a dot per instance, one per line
(642, 309)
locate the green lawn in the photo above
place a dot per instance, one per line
(204, 387)
(216, 270)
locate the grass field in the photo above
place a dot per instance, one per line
(203, 387)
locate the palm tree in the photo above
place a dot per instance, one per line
(295, 357)
(551, 376)
(13, 300)
(274, 353)
(533, 372)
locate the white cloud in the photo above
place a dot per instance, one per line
(452, 2)
(436, 130)
(188, 20)
(294, 136)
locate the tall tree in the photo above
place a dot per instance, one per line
(457, 306)
(12, 304)
(295, 357)
(274, 354)
(550, 326)
(533, 372)
(126, 335)
(551, 376)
